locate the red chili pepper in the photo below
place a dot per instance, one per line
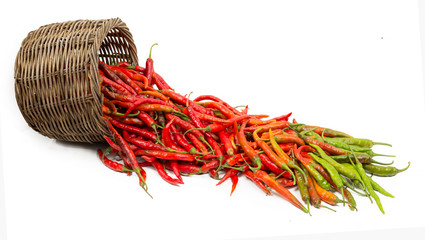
(286, 182)
(230, 172)
(149, 66)
(210, 165)
(133, 129)
(118, 87)
(154, 107)
(143, 144)
(265, 160)
(198, 144)
(326, 147)
(283, 117)
(136, 122)
(269, 181)
(235, 180)
(224, 139)
(166, 137)
(186, 168)
(216, 99)
(119, 72)
(166, 155)
(127, 152)
(109, 73)
(163, 174)
(118, 167)
(109, 104)
(183, 100)
(135, 76)
(180, 140)
(274, 125)
(247, 149)
(250, 175)
(223, 109)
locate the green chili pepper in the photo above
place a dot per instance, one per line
(380, 189)
(359, 141)
(368, 185)
(350, 173)
(384, 171)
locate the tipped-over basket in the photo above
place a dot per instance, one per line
(57, 83)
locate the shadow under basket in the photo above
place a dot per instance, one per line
(57, 82)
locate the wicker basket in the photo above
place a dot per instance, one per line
(57, 84)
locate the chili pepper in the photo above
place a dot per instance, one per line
(248, 150)
(210, 165)
(133, 129)
(314, 196)
(122, 64)
(213, 173)
(336, 178)
(339, 167)
(367, 183)
(163, 174)
(250, 175)
(115, 86)
(326, 147)
(184, 125)
(185, 168)
(198, 144)
(166, 155)
(180, 140)
(307, 163)
(235, 180)
(118, 167)
(301, 183)
(135, 76)
(326, 196)
(216, 99)
(269, 181)
(383, 171)
(112, 144)
(143, 144)
(379, 189)
(274, 125)
(119, 72)
(254, 121)
(320, 130)
(149, 66)
(155, 93)
(359, 141)
(148, 120)
(183, 100)
(287, 138)
(136, 122)
(106, 110)
(353, 148)
(223, 109)
(127, 152)
(111, 74)
(229, 173)
(283, 117)
(166, 137)
(279, 161)
(286, 182)
(227, 122)
(224, 139)
(362, 157)
(281, 153)
(286, 146)
(154, 107)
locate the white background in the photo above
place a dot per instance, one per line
(353, 66)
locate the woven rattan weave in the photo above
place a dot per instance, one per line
(57, 85)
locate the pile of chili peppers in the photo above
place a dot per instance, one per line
(153, 126)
